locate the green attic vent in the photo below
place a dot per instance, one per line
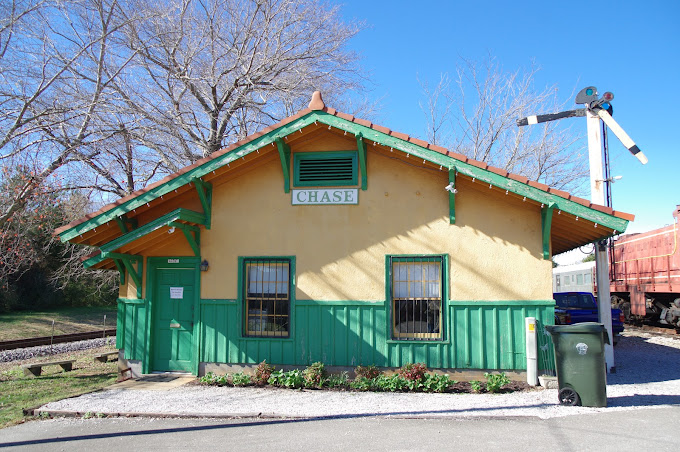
(315, 169)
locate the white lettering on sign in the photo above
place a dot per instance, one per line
(173, 261)
(326, 196)
(177, 293)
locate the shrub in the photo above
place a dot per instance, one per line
(262, 373)
(369, 372)
(292, 379)
(413, 372)
(241, 379)
(494, 382)
(437, 383)
(361, 384)
(340, 380)
(391, 383)
(476, 386)
(212, 379)
(314, 375)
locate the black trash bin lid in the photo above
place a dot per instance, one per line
(584, 327)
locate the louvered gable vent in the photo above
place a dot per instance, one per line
(325, 168)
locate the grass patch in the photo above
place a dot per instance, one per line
(19, 392)
(20, 325)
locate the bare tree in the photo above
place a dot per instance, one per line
(475, 115)
(53, 87)
(209, 72)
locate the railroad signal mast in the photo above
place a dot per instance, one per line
(596, 109)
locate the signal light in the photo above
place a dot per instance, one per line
(608, 97)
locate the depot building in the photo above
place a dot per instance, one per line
(329, 238)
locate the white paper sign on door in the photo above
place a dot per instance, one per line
(177, 293)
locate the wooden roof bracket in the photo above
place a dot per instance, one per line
(124, 262)
(452, 195)
(192, 234)
(361, 148)
(546, 225)
(284, 155)
(204, 190)
(126, 224)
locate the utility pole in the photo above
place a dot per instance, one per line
(595, 109)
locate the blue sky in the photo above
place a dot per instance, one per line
(631, 48)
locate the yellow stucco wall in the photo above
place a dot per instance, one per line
(495, 246)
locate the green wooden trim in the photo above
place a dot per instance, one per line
(361, 148)
(284, 155)
(192, 234)
(153, 263)
(300, 156)
(519, 188)
(131, 300)
(444, 259)
(340, 303)
(486, 303)
(452, 197)
(204, 190)
(546, 225)
(481, 175)
(135, 274)
(121, 271)
(177, 214)
(217, 301)
(121, 224)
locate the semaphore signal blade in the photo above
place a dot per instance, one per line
(622, 135)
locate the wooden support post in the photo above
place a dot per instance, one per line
(361, 148)
(284, 155)
(452, 196)
(204, 190)
(546, 225)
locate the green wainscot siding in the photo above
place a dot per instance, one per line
(132, 333)
(479, 335)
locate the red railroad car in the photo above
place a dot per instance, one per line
(645, 273)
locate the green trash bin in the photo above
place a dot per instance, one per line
(580, 363)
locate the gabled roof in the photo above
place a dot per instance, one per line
(578, 221)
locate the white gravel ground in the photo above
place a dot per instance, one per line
(648, 375)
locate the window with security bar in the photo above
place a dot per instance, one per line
(416, 293)
(267, 297)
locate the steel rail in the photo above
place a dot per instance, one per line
(58, 339)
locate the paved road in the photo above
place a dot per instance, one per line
(653, 429)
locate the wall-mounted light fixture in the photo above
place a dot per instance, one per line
(204, 265)
(171, 230)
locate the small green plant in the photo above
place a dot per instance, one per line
(314, 375)
(391, 383)
(361, 384)
(476, 386)
(262, 373)
(494, 382)
(214, 380)
(241, 379)
(370, 372)
(275, 377)
(292, 379)
(340, 380)
(413, 372)
(437, 383)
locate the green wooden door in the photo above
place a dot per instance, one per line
(174, 297)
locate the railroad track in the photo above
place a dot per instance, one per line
(59, 339)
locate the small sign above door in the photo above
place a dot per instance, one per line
(177, 293)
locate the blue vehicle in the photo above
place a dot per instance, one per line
(577, 307)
